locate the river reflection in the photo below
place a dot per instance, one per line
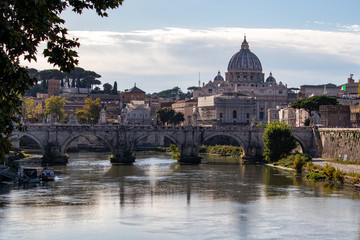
(158, 198)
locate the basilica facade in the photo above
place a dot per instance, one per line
(251, 96)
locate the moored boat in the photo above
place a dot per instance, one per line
(47, 174)
(28, 175)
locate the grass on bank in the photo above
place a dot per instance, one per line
(338, 160)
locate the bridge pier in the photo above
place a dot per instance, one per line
(189, 159)
(54, 156)
(122, 156)
(121, 159)
(189, 154)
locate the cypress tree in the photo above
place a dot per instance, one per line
(114, 90)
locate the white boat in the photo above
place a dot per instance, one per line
(47, 174)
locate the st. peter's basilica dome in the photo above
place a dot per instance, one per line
(244, 59)
(245, 67)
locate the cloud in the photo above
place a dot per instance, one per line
(351, 28)
(173, 53)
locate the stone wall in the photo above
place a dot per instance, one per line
(343, 143)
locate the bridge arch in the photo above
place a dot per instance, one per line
(302, 144)
(16, 137)
(237, 139)
(160, 136)
(65, 145)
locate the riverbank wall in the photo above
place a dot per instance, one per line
(342, 143)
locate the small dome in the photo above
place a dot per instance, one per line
(270, 79)
(218, 77)
(245, 59)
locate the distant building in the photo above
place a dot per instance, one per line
(273, 115)
(245, 76)
(133, 94)
(350, 89)
(354, 116)
(187, 108)
(154, 104)
(138, 113)
(288, 115)
(335, 116)
(53, 87)
(225, 109)
(316, 90)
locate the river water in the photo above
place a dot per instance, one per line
(156, 198)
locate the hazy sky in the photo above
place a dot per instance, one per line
(161, 44)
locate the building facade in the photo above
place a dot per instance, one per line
(225, 109)
(244, 75)
(137, 112)
(316, 90)
(335, 116)
(187, 108)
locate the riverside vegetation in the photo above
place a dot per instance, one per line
(222, 150)
(278, 145)
(302, 163)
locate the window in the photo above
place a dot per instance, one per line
(234, 114)
(261, 115)
(247, 115)
(221, 115)
(210, 90)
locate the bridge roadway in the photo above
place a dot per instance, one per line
(54, 139)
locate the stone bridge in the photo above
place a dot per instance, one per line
(55, 139)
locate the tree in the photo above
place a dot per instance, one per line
(177, 118)
(107, 88)
(169, 116)
(172, 93)
(90, 113)
(24, 25)
(164, 115)
(313, 103)
(114, 90)
(55, 106)
(278, 141)
(31, 110)
(192, 89)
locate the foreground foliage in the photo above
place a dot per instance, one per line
(24, 25)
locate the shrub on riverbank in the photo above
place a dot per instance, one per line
(295, 161)
(333, 174)
(223, 150)
(175, 151)
(316, 176)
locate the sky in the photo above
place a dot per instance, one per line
(161, 44)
